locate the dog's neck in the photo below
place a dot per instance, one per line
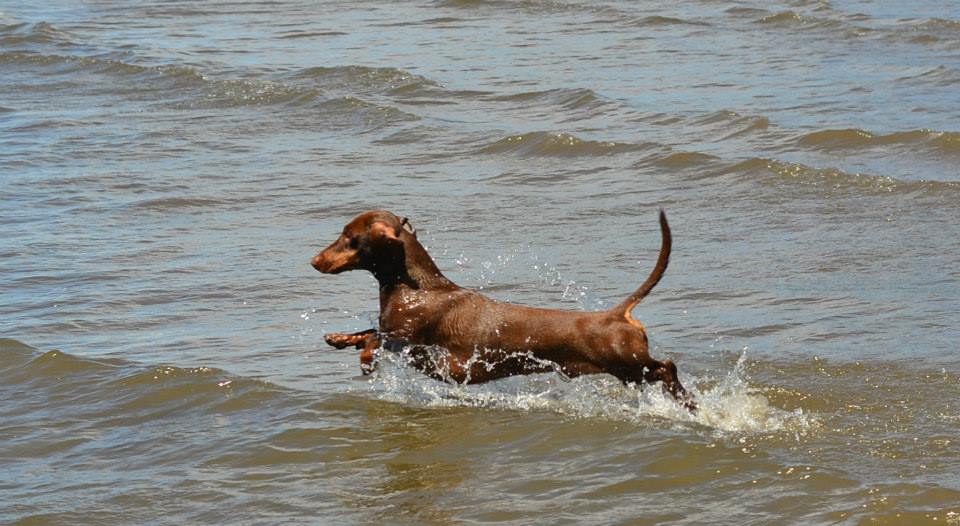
(417, 271)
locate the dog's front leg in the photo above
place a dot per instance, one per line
(368, 356)
(368, 340)
(342, 340)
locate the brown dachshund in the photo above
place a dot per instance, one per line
(460, 335)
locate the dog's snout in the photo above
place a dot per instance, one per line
(318, 262)
(332, 261)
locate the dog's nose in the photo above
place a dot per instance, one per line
(317, 263)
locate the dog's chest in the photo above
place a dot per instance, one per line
(406, 312)
(416, 315)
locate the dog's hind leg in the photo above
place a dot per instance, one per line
(665, 372)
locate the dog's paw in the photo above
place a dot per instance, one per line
(340, 341)
(368, 361)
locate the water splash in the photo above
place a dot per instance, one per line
(732, 405)
(728, 405)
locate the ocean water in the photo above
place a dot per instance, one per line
(168, 169)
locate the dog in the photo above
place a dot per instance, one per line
(458, 335)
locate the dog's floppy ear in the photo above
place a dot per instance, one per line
(405, 224)
(381, 232)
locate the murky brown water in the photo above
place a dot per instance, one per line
(167, 170)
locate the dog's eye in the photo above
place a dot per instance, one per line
(353, 242)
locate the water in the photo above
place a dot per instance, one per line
(169, 168)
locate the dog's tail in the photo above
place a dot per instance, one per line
(625, 307)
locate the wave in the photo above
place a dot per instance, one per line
(681, 160)
(566, 104)
(54, 365)
(929, 31)
(729, 124)
(14, 353)
(938, 76)
(240, 93)
(22, 33)
(119, 392)
(835, 180)
(565, 145)
(397, 85)
(795, 19)
(538, 7)
(570, 99)
(656, 21)
(186, 88)
(53, 63)
(167, 79)
(178, 203)
(944, 143)
(837, 25)
(557, 144)
(747, 12)
(363, 79)
(932, 27)
(295, 34)
(175, 81)
(938, 24)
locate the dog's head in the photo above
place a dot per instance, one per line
(372, 241)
